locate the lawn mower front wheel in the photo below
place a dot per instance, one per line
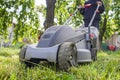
(67, 56)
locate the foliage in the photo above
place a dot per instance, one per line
(105, 68)
(66, 8)
(24, 12)
(112, 15)
(116, 12)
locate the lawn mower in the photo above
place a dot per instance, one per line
(63, 46)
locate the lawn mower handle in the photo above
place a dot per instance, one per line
(91, 21)
(89, 31)
(67, 21)
(93, 17)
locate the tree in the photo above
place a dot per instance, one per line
(110, 19)
(116, 12)
(64, 9)
(49, 13)
(24, 12)
(104, 21)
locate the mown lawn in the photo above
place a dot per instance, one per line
(107, 67)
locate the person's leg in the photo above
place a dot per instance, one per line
(96, 24)
(86, 22)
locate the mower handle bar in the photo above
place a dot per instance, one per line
(93, 17)
(91, 21)
(67, 21)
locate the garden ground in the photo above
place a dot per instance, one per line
(107, 67)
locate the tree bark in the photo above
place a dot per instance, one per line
(49, 13)
(102, 31)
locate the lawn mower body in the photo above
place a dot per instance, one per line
(49, 43)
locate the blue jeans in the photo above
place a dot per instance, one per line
(95, 23)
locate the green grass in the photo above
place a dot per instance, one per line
(107, 67)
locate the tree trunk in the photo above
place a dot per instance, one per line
(102, 31)
(49, 13)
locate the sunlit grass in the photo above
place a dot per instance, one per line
(107, 67)
(8, 52)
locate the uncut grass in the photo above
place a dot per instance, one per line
(17, 71)
(107, 67)
(11, 69)
(8, 52)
